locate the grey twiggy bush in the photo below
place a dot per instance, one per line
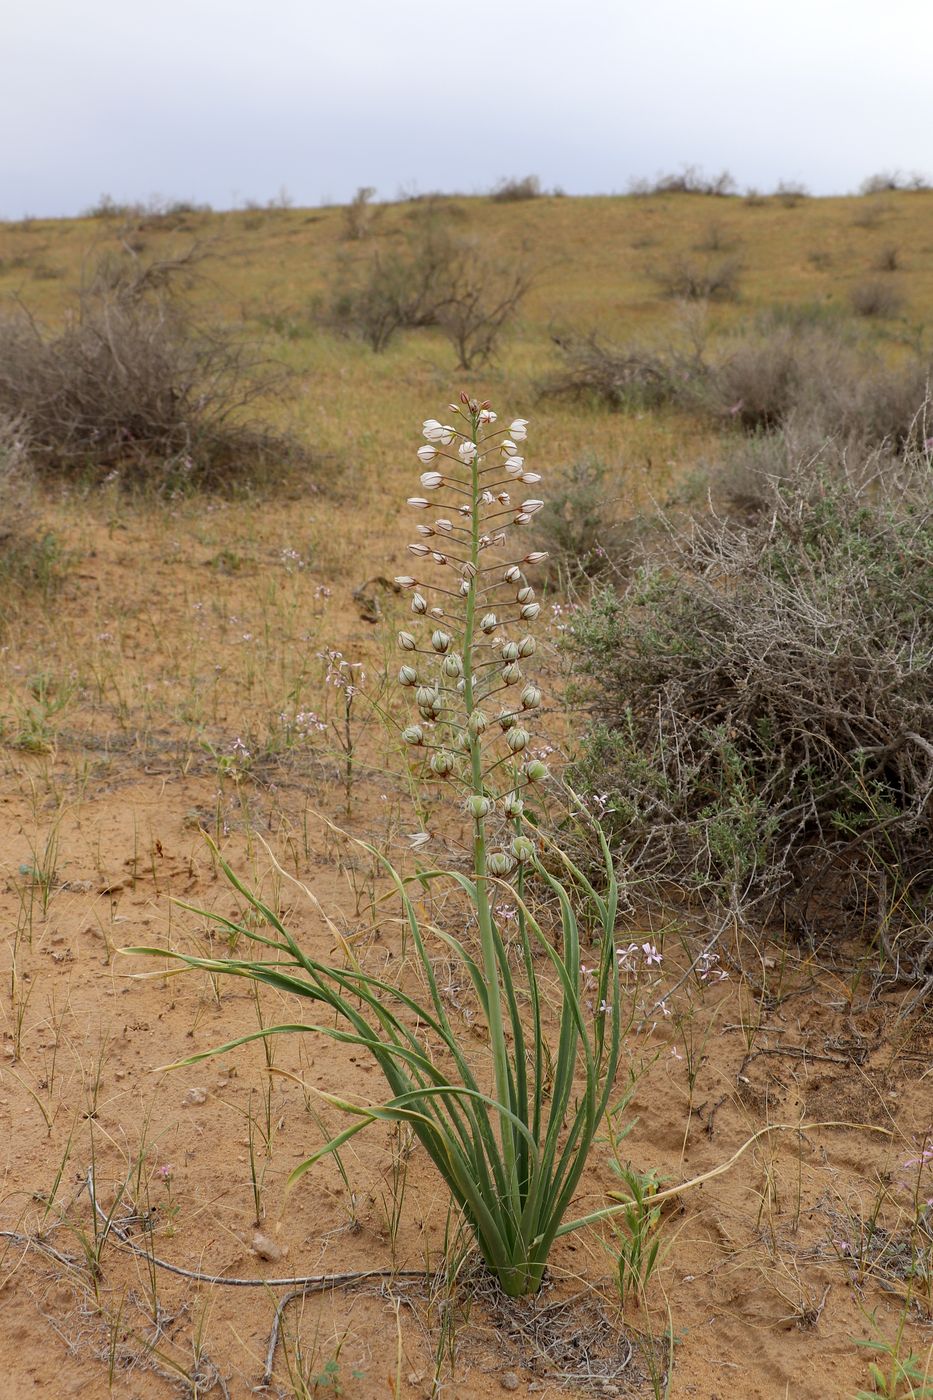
(762, 698)
(132, 383)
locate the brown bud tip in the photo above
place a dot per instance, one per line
(464, 396)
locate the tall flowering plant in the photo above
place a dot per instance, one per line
(508, 1130)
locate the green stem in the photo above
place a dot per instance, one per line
(483, 910)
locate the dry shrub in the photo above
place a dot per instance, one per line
(796, 366)
(888, 258)
(359, 213)
(876, 297)
(762, 701)
(579, 526)
(790, 193)
(693, 279)
(437, 277)
(508, 191)
(690, 180)
(887, 181)
(131, 384)
(29, 556)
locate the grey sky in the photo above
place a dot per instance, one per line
(223, 100)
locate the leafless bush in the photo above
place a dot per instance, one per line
(620, 376)
(798, 367)
(131, 384)
(358, 214)
(483, 292)
(887, 181)
(715, 239)
(579, 526)
(510, 190)
(29, 555)
(440, 278)
(888, 258)
(790, 193)
(762, 695)
(690, 180)
(754, 198)
(694, 280)
(876, 298)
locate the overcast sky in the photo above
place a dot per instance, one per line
(228, 100)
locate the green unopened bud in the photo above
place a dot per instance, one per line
(506, 719)
(499, 863)
(425, 695)
(442, 763)
(478, 722)
(531, 697)
(407, 675)
(414, 734)
(479, 807)
(464, 740)
(513, 806)
(489, 623)
(523, 849)
(517, 739)
(511, 673)
(536, 771)
(452, 666)
(510, 651)
(526, 646)
(406, 641)
(440, 641)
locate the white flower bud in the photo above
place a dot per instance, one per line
(464, 587)
(512, 574)
(506, 720)
(418, 502)
(488, 623)
(431, 480)
(517, 739)
(466, 452)
(440, 641)
(535, 557)
(530, 478)
(522, 518)
(437, 613)
(511, 673)
(531, 697)
(439, 558)
(437, 432)
(413, 735)
(427, 453)
(425, 695)
(513, 806)
(479, 807)
(532, 507)
(407, 675)
(527, 646)
(525, 595)
(405, 580)
(499, 863)
(518, 429)
(523, 849)
(442, 763)
(406, 641)
(535, 771)
(421, 550)
(478, 723)
(443, 527)
(510, 651)
(530, 611)
(452, 666)
(464, 741)
(425, 531)
(504, 498)
(486, 415)
(513, 465)
(507, 447)
(418, 604)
